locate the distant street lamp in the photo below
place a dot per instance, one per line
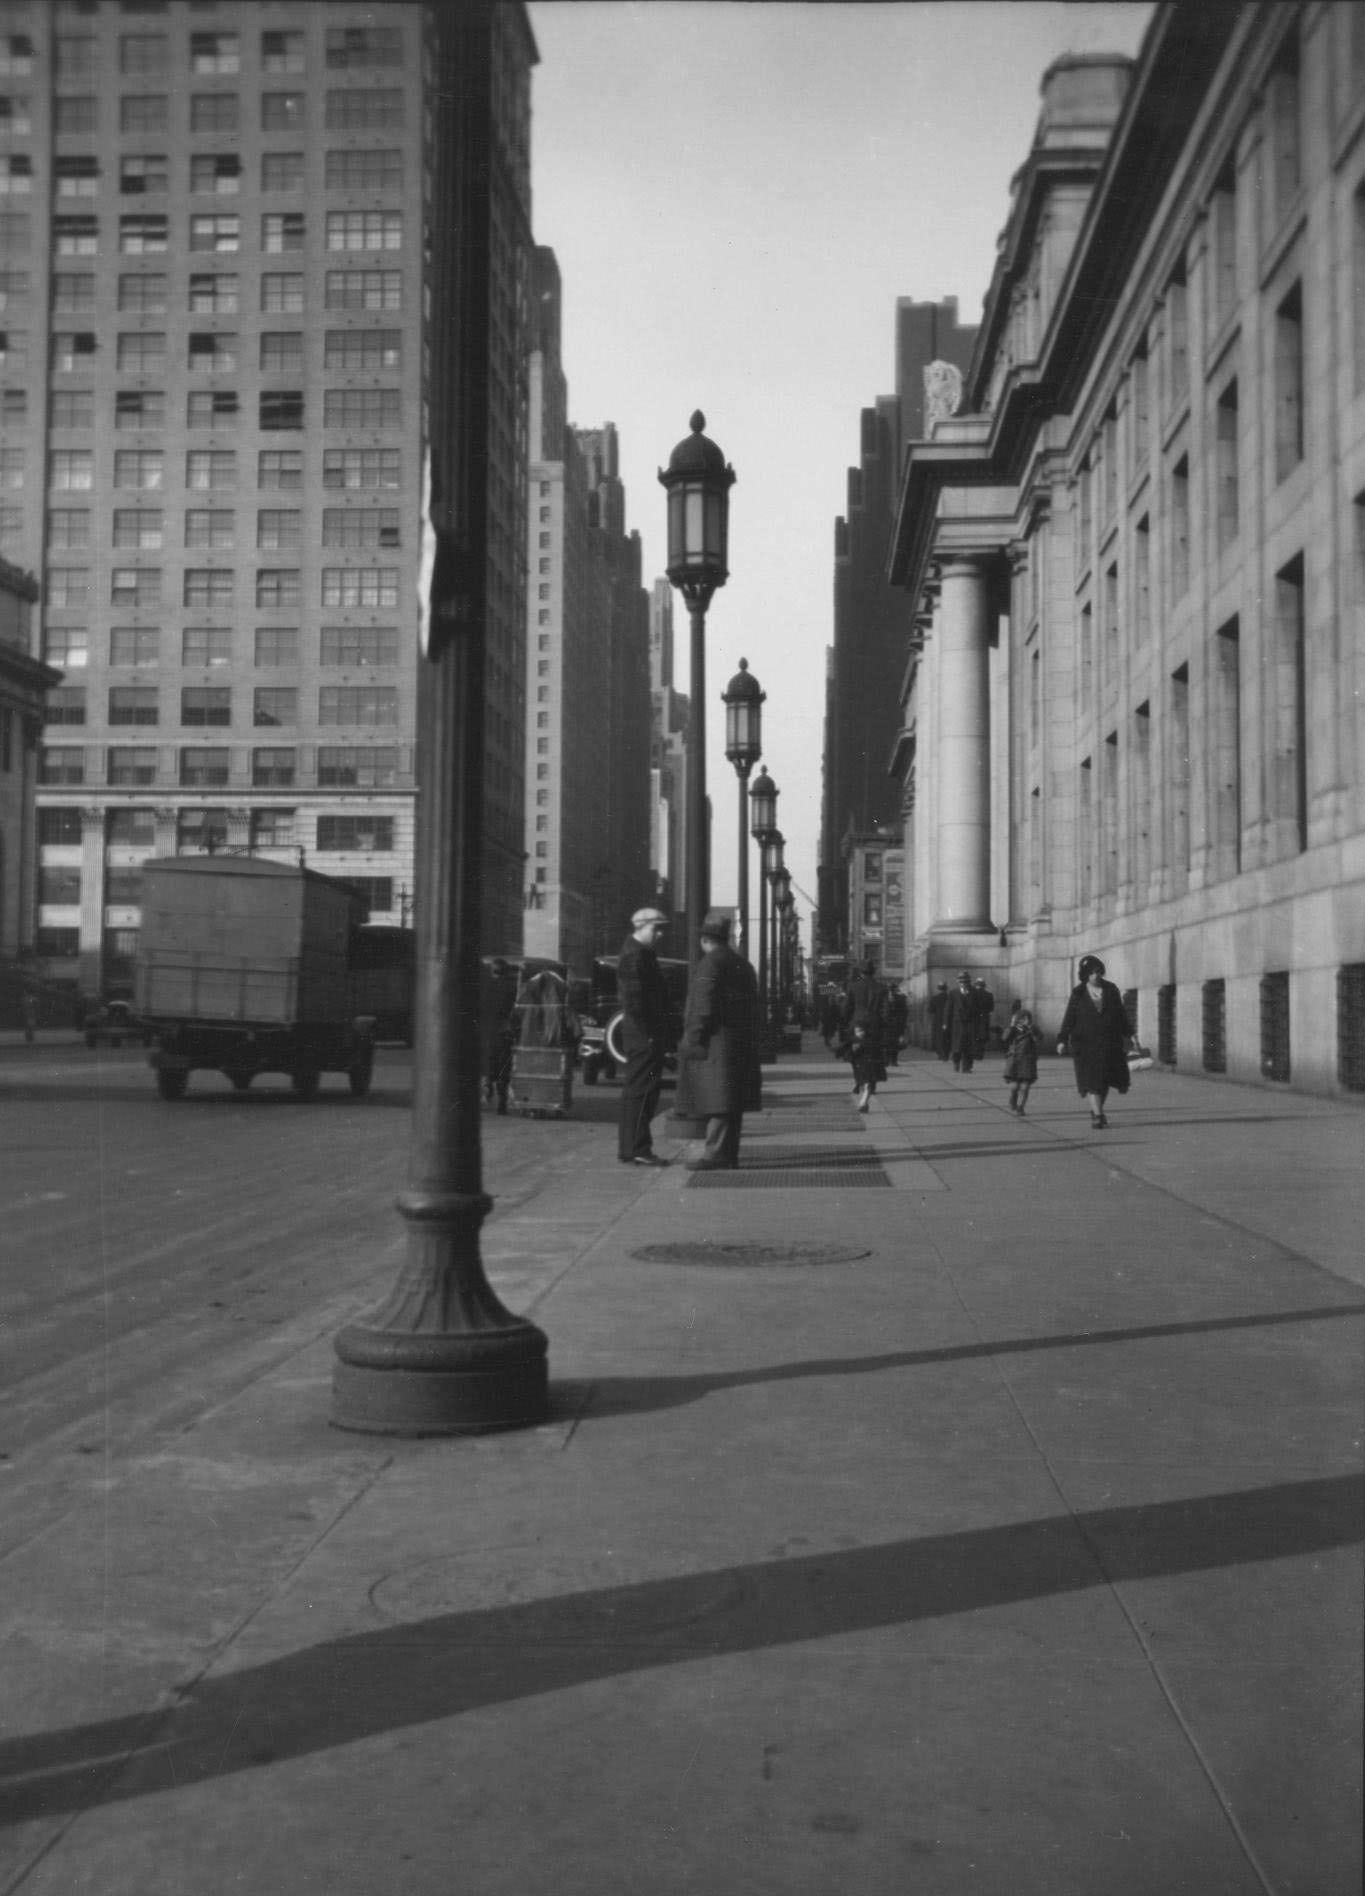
(774, 851)
(782, 902)
(698, 482)
(763, 827)
(743, 701)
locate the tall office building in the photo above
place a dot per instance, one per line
(212, 383)
(668, 755)
(873, 627)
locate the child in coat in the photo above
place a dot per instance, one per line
(1021, 1059)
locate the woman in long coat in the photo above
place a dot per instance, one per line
(1097, 1030)
(865, 1030)
(719, 1075)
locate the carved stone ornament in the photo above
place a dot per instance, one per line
(942, 391)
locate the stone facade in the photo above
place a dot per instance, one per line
(24, 681)
(1136, 726)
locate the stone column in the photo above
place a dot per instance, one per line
(963, 774)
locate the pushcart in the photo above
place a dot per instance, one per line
(546, 1036)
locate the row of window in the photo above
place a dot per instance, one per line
(59, 884)
(277, 528)
(338, 767)
(137, 828)
(211, 646)
(211, 293)
(63, 942)
(148, 233)
(209, 587)
(143, 174)
(72, 470)
(212, 704)
(345, 109)
(78, 55)
(212, 470)
(216, 352)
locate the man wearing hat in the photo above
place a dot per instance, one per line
(959, 1024)
(644, 1036)
(719, 1076)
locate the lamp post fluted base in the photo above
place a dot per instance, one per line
(441, 1356)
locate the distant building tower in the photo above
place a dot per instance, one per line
(23, 682)
(872, 625)
(668, 755)
(212, 444)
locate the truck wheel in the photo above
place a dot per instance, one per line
(240, 1079)
(171, 1082)
(305, 1082)
(360, 1075)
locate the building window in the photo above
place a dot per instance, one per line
(73, 292)
(123, 887)
(358, 704)
(61, 764)
(280, 468)
(68, 529)
(364, 110)
(1142, 581)
(143, 233)
(135, 587)
(274, 705)
(354, 587)
(211, 409)
(354, 48)
(361, 834)
(67, 586)
(1288, 383)
(363, 170)
(218, 173)
(210, 529)
(208, 587)
(142, 174)
(364, 230)
(219, 232)
(144, 112)
(281, 231)
(74, 236)
(282, 111)
(282, 52)
(59, 828)
(208, 468)
(131, 829)
(143, 54)
(1351, 1027)
(212, 352)
(1285, 106)
(354, 646)
(1275, 1026)
(133, 704)
(272, 829)
(1180, 528)
(281, 410)
(278, 586)
(1178, 773)
(205, 830)
(282, 350)
(75, 177)
(15, 286)
(363, 349)
(139, 408)
(139, 467)
(71, 408)
(278, 529)
(206, 645)
(134, 645)
(214, 293)
(1223, 247)
(131, 765)
(274, 768)
(1213, 1000)
(357, 767)
(376, 892)
(361, 527)
(143, 292)
(364, 289)
(358, 408)
(277, 645)
(214, 112)
(140, 529)
(65, 705)
(1225, 717)
(206, 704)
(282, 292)
(1227, 491)
(218, 53)
(361, 467)
(282, 171)
(59, 885)
(1288, 693)
(140, 352)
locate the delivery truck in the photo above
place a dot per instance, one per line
(245, 966)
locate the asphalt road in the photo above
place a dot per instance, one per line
(157, 1257)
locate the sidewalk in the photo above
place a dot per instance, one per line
(968, 1504)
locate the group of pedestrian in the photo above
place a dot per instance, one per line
(960, 1021)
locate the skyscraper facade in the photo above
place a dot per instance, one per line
(212, 272)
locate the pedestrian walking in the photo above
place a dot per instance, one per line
(864, 1020)
(985, 1009)
(719, 1075)
(897, 1017)
(497, 1031)
(30, 1005)
(1096, 1030)
(1021, 1044)
(938, 1009)
(644, 1036)
(959, 1024)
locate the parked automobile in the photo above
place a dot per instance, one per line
(111, 1023)
(599, 1047)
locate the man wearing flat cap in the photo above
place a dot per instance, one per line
(644, 1036)
(719, 1076)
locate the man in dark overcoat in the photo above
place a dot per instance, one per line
(719, 1076)
(938, 1005)
(644, 1036)
(959, 1024)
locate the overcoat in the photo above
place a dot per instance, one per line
(1021, 1053)
(718, 1061)
(960, 1021)
(1097, 1038)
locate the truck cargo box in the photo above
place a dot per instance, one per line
(244, 939)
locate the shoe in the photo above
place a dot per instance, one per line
(648, 1158)
(711, 1165)
(864, 1099)
(1103, 1121)
(1097, 1120)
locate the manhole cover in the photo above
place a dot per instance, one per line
(723, 1252)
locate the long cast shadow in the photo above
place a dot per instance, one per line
(345, 1690)
(632, 1395)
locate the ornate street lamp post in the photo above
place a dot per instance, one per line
(442, 1356)
(698, 482)
(743, 701)
(763, 827)
(774, 851)
(782, 902)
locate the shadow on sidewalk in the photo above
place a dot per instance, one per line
(346, 1690)
(641, 1395)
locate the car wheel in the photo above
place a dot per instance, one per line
(171, 1082)
(305, 1081)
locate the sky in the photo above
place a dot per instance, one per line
(737, 191)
